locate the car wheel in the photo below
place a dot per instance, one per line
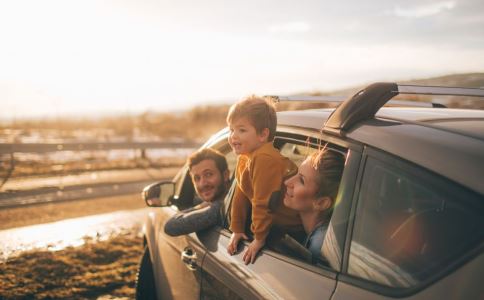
(145, 282)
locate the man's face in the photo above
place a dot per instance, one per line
(207, 179)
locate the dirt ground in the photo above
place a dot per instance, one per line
(97, 270)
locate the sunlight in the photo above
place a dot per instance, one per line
(91, 57)
(68, 233)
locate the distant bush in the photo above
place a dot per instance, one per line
(200, 122)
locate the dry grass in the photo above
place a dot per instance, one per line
(105, 269)
(99, 269)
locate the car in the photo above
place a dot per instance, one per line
(408, 220)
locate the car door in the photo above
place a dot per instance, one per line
(275, 275)
(416, 235)
(177, 259)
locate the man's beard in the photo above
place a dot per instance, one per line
(219, 191)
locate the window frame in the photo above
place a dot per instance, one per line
(314, 138)
(409, 168)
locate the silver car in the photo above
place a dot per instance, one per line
(408, 223)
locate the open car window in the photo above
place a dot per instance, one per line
(297, 150)
(184, 189)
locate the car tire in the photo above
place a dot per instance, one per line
(145, 282)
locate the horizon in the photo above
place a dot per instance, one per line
(99, 115)
(64, 59)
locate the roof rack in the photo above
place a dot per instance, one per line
(440, 90)
(341, 99)
(364, 104)
(303, 98)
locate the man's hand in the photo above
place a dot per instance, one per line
(234, 241)
(251, 253)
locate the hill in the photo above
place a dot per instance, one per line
(471, 80)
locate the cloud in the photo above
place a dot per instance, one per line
(424, 10)
(290, 27)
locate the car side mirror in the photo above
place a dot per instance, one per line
(159, 194)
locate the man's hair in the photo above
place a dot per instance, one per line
(208, 153)
(259, 111)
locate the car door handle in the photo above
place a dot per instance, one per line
(189, 258)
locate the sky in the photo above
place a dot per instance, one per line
(63, 58)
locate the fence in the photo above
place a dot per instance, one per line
(19, 161)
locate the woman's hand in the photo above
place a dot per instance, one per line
(234, 241)
(251, 253)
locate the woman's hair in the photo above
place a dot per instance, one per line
(329, 165)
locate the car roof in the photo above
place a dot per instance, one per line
(464, 121)
(446, 141)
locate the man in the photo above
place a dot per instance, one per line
(210, 176)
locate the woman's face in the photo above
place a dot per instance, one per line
(301, 188)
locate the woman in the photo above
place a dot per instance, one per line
(312, 192)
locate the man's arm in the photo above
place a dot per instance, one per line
(194, 219)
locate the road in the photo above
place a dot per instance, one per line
(70, 232)
(38, 190)
(52, 194)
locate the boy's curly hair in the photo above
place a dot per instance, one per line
(260, 112)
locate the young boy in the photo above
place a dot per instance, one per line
(259, 172)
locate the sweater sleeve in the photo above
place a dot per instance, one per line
(266, 178)
(194, 219)
(239, 211)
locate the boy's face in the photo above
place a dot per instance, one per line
(244, 138)
(208, 181)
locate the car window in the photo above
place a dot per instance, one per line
(231, 161)
(297, 150)
(184, 189)
(410, 225)
(297, 153)
(223, 146)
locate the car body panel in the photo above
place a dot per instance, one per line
(460, 284)
(270, 277)
(315, 118)
(417, 143)
(166, 254)
(448, 154)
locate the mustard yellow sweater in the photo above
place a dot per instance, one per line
(258, 175)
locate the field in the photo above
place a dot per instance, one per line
(100, 269)
(97, 270)
(107, 269)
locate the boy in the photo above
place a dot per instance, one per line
(259, 172)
